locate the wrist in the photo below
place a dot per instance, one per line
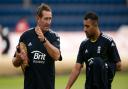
(44, 40)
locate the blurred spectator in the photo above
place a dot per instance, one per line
(22, 25)
(4, 32)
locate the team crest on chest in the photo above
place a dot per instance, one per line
(98, 49)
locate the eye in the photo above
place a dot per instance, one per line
(87, 26)
(48, 18)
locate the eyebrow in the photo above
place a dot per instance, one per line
(86, 25)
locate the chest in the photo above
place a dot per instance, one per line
(37, 53)
(35, 45)
(95, 49)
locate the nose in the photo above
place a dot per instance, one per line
(49, 21)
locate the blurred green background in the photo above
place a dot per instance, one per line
(16, 82)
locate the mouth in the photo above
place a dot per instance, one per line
(46, 27)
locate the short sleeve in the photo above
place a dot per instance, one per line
(113, 52)
(20, 40)
(80, 58)
(56, 42)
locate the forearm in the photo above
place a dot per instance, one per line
(74, 75)
(52, 50)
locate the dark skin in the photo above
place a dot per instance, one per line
(91, 29)
(92, 32)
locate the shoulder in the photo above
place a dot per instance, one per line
(26, 33)
(53, 33)
(109, 40)
(106, 37)
(84, 42)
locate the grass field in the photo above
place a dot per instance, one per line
(16, 82)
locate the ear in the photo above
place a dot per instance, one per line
(94, 23)
(37, 18)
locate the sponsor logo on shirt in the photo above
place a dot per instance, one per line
(38, 57)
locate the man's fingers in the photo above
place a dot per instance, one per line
(36, 28)
(23, 55)
(17, 54)
(39, 33)
(24, 58)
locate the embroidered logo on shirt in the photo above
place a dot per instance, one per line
(98, 49)
(86, 51)
(112, 44)
(29, 44)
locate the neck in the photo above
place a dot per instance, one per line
(95, 37)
